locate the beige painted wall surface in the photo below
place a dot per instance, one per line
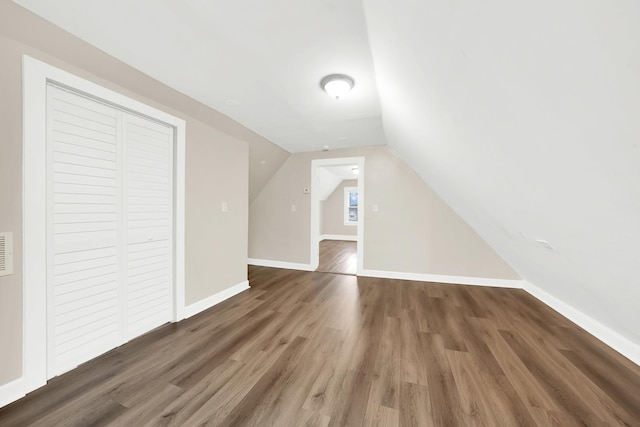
(332, 212)
(265, 159)
(413, 231)
(276, 232)
(216, 241)
(216, 165)
(11, 210)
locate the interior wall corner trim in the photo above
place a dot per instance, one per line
(345, 237)
(217, 298)
(436, 278)
(613, 339)
(12, 391)
(279, 264)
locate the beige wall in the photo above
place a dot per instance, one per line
(217, 161)
(413, 230)
(11, 210)
(216, 241)
(332, 212)
(275, 231)
(265, 159)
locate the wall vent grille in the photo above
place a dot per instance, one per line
(6, 254)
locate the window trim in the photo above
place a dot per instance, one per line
(346, 206)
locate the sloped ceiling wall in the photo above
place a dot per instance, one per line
(328, 182)
(525, 118)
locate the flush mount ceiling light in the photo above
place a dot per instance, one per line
(337, 85)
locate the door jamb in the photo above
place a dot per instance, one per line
(314, 253)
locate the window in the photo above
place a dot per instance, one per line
(351, 206)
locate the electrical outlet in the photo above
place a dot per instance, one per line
(225, 207)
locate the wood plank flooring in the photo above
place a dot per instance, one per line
(318, 349)
(338, 256)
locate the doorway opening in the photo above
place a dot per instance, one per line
(337, 226)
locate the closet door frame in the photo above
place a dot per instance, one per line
(36, 76)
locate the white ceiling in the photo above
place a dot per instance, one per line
(259, 62)
(342, 172)
(330, 177)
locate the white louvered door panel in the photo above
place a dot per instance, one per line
(84, 226)
(149, 196)
(110, 227)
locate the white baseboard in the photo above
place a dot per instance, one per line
(214, 299)
(12, 391)
(346, 237)
(279, 264)
(619, 343)
(457, 280)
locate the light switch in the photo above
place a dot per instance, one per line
(225, 207)
(293, 208)
(375, 208)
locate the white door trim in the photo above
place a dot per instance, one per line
(314, 257)
(36, 75)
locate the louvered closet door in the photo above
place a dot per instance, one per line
(84, 212)
(149, 188)
(110, 227)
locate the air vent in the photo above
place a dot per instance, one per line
(6, 254)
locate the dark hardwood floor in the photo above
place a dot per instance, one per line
(338, 256)
(319, 349)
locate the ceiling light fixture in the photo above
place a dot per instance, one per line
(337, 85)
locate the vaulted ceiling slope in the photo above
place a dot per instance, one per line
(259, 62)
(524, 117)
